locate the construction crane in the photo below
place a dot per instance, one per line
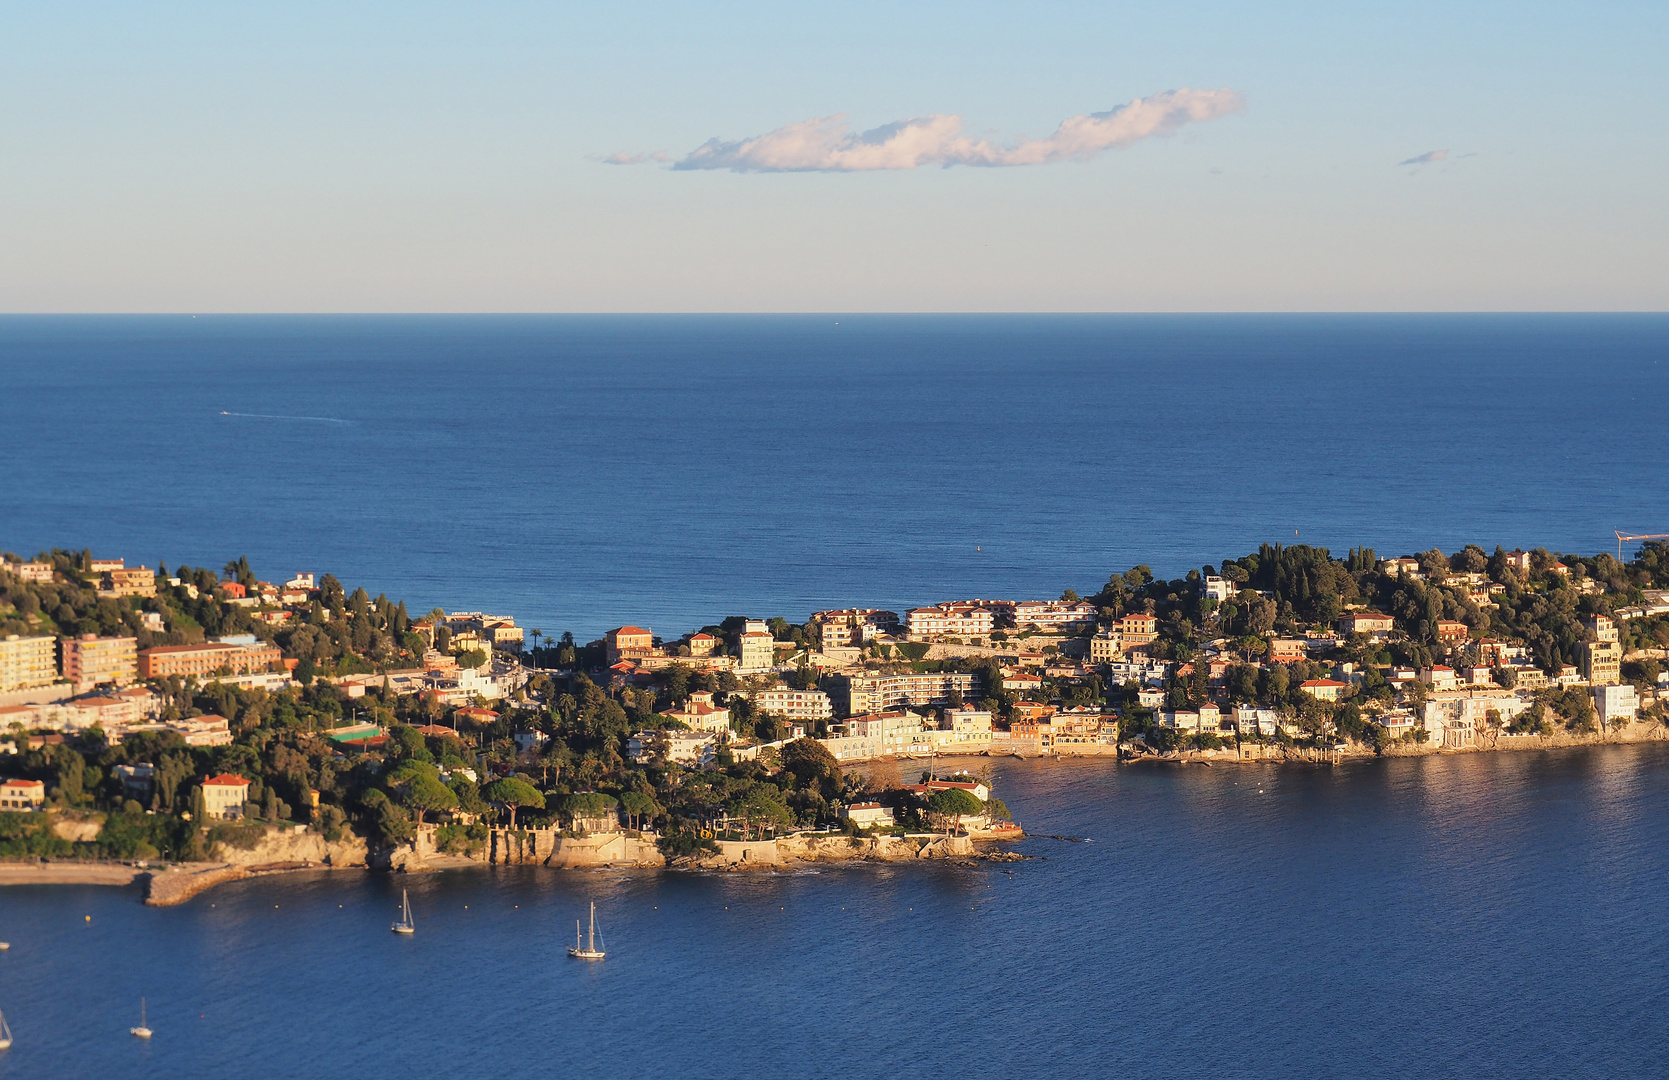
(1631, 539)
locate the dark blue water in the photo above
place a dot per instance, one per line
(580, 472)
(1483, 916)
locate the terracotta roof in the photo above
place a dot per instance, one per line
(26, 783)
(1322, 682)
(226, 780)
(628, 630)
(702, 637)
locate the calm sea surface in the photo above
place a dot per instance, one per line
(581, 472)
(1484, 916)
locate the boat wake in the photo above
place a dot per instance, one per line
(273, 416)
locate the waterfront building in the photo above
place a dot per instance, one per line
(207, 659)
(703, 644)
(22, 794)
(224, 796)
(1615, 704)
(806, 706)
(27, 662)
(628, 641)
(878, 693)
(1602, 658)
(963, 730)
(868, 815)
(755, 647)
(90, 660)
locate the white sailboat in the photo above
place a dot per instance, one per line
(405, 925)
(5, 1034)
(590, 952)
(141, 1031)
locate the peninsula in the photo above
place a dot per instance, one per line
(242, 726)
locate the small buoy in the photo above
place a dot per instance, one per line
(89, 918)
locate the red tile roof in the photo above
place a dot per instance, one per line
(226, 780)
(628, 630)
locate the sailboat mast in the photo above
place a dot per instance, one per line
(591, 937)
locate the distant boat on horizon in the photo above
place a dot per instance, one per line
(590, 952)
(405, 925)
(141, 1031)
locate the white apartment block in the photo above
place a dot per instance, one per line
(756, 648)
(27, 662)
(1615, 704)
(806, 706)
(879, 693)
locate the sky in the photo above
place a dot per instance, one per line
(725, 156)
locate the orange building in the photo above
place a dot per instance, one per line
(207, 659)
(628, 641)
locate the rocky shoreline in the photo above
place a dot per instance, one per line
(286, 850)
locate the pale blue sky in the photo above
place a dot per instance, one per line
(448, 157)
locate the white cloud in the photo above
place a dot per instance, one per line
(827, 143)
(1426, 158)
(627, 158)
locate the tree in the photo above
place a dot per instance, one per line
(949, 806)
(513, 792)
(426, 793)
(637, 806)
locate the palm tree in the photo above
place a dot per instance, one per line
(537, 634)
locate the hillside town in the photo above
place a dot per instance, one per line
(195, 696)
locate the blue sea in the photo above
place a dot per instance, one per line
(581, 472)
(1481, 916)
(1493, 915)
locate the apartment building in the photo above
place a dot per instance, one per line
(1615, 704)
(90, 660)
(805, 706)
(27, 662)
(206, 659)
(1602, 658)
(879, 693)
(854, 626)
(1106, 647)
(755, 648)
(1052, 616)
(960, 619)
(1138, 629)
(30, 571)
